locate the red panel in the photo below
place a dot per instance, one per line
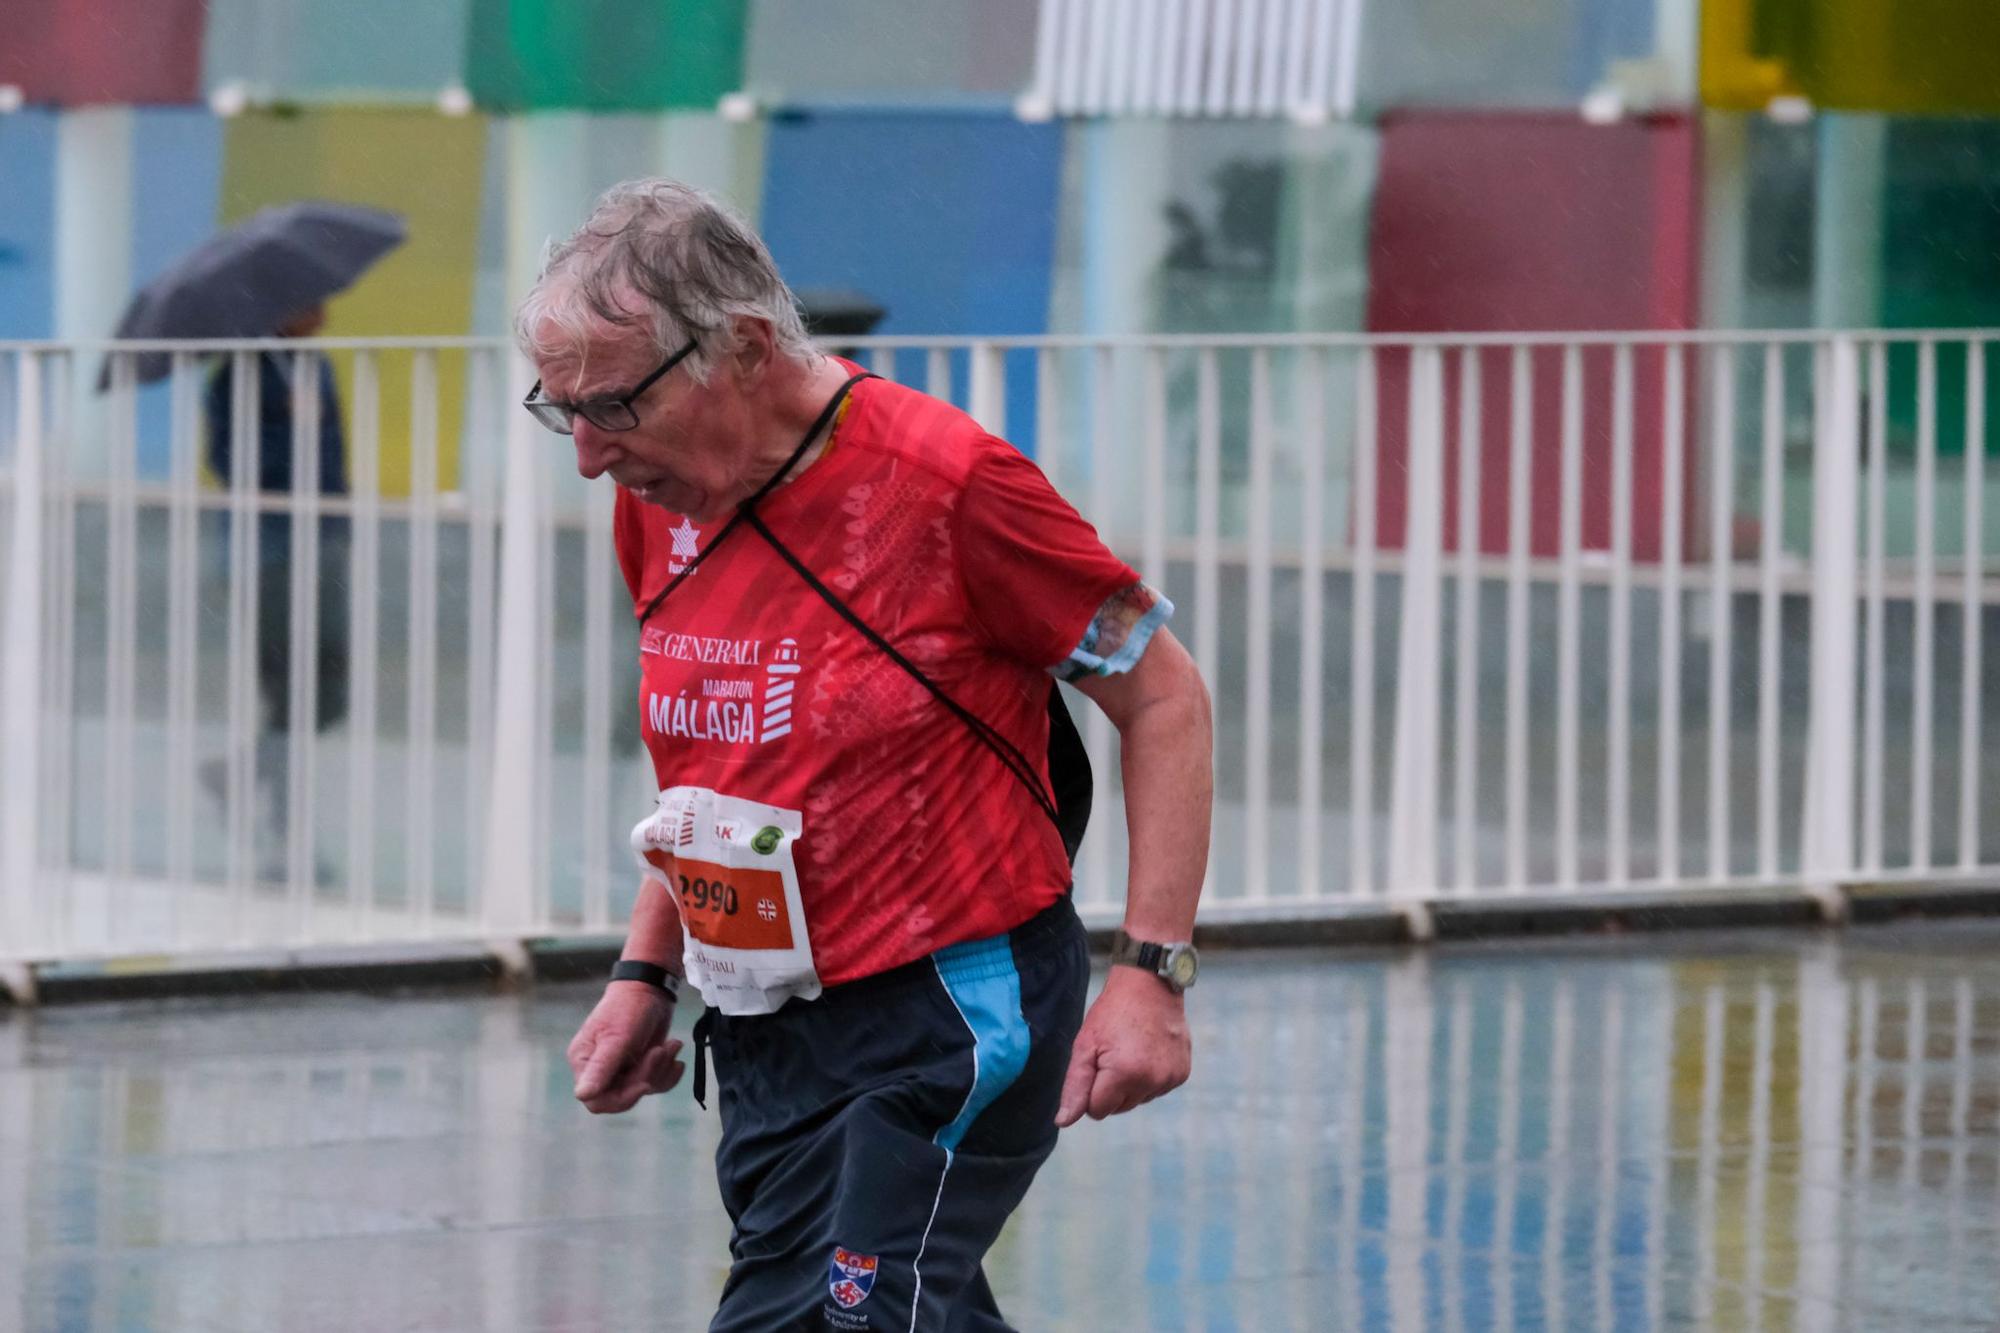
(1512, 222)
(85, 52)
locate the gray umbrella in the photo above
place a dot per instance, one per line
(245, 282)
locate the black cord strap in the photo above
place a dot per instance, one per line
(820, 423)
(1008, 754)
(1063, 732)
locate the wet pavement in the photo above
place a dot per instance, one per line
(1788, 1129)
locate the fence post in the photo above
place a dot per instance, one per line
(1828, 851)
(1413, 800)
(987, 398)
(21, 696)
(507, 888)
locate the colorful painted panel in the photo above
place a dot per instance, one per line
(604, 55)
(27, 224)
(1522, 53)
(933, 51)
(1940, 261)
(947, 220)
(56, 50)
(426, 167)
(1516, 222)
(177, 181)
(1916, 56)
(354, 51)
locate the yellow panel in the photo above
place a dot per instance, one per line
(1734, 75)
(420, 164)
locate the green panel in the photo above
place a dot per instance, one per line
(604, 55)
(1941, 262)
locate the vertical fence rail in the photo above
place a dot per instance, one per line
(1569, 616)
(1721, 537)
(303, 685)
(1465, 693)
(1875, 662)
(23, 926)
(1924, 648)
(364, 593)
(1257, 665)
(1667, 835)
(1618, 760)
(1770, 547)
(121, 609)
(1313, 374)
(1972, 605)
(420, 859)
(183, 631)
(1361, 735)
(1520, 537)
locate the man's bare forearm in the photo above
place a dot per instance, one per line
(1168, 767)
(655, 935)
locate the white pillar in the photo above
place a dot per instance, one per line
(512, 819)
(21, 695)
(1413, 800)
(1830, 755)
(94, 218)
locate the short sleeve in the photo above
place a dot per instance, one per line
(1035, 573)
(628, 537)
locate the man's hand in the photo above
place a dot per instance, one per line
(622, 1052)
(1133, 1047)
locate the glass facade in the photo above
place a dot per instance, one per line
(805, 52)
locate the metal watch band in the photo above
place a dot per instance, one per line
(1152, 957)
(652, 974)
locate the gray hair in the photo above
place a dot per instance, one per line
(689, 264)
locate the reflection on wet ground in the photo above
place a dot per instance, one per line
(1785, 1130)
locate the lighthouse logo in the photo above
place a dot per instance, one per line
(780, 679)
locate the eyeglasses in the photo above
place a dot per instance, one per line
(613, 413)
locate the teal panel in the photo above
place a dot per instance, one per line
(604, 55)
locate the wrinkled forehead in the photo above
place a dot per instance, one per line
(579, 354)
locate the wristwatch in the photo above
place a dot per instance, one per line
(650, 974)
(1175, 964)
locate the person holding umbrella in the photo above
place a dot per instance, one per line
(271, 276)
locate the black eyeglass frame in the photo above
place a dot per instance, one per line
(561, 417)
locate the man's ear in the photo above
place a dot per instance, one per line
(756, 349)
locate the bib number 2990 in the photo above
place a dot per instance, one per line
(737, 907)
(704, 895)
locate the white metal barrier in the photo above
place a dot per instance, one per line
(1719, 626)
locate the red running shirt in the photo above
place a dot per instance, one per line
(956, 549)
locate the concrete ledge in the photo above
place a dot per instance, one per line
(496, 963)
(1877, 903)
(1547, 916)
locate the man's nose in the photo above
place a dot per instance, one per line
(593, 449)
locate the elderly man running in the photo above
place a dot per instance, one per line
(852, 604)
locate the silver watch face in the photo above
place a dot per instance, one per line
(1181, 966)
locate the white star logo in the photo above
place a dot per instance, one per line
(685, 536)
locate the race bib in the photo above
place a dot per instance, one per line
(729, 864)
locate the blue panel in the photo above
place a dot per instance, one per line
(177, 172)
(947, 220)
(982, 981)
(27, 223)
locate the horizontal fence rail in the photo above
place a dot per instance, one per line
(323, 644)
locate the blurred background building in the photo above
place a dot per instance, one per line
(1028, 166)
